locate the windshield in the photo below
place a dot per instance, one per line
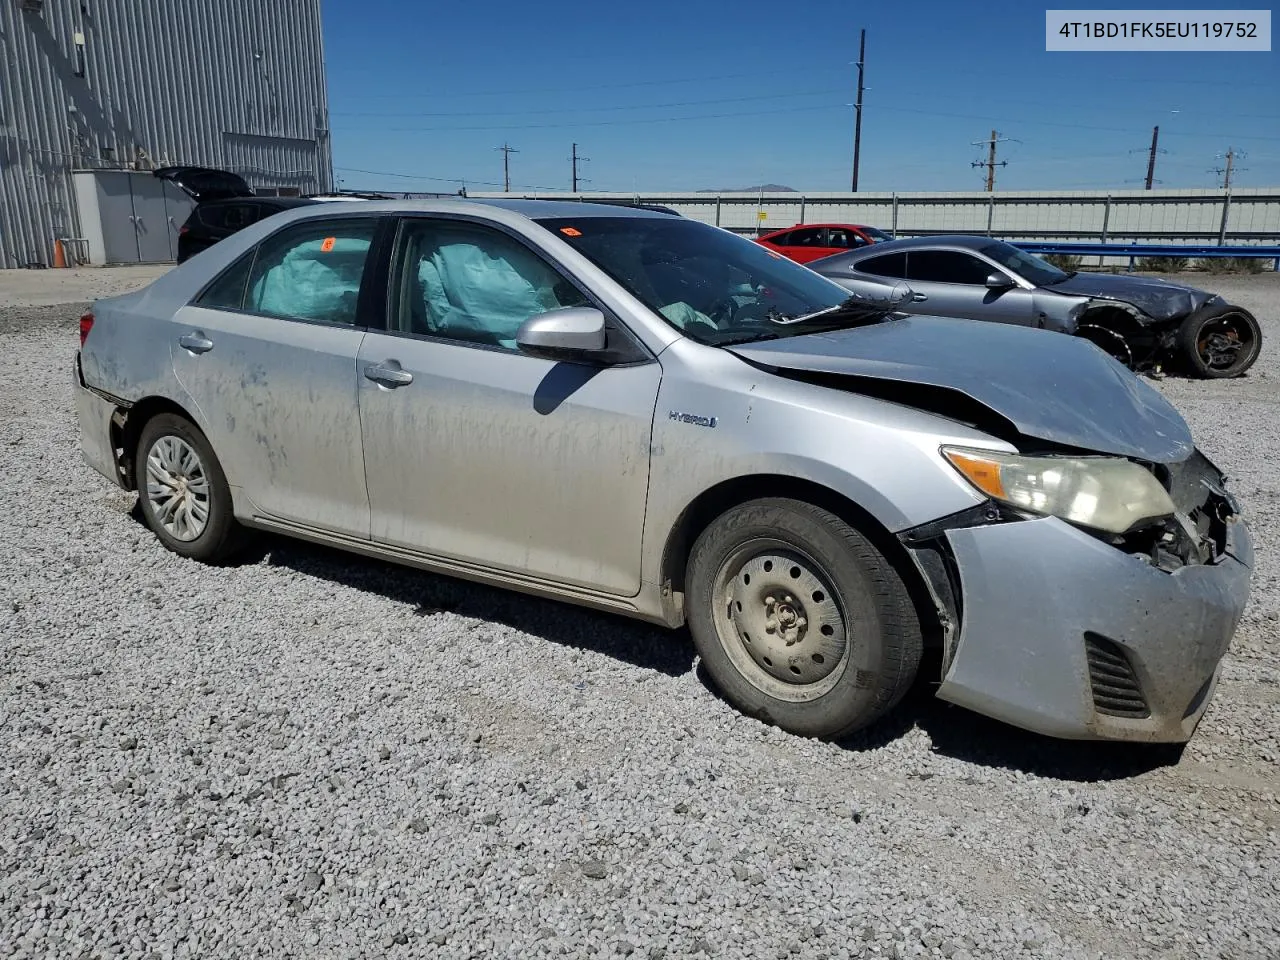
(713, 286)
(880, 236)
(1027, 266)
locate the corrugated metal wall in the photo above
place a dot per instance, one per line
(1252, 214)
(238, 84)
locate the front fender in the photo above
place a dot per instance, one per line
(882, 456)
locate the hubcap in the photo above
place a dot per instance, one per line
(780, 623)
(177, 488)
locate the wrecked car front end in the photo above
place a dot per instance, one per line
(1094, 592)
(1078, 633)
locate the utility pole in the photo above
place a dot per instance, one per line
(990, 162)
(1232, 155)
(1151, 159)
(857, 107)
(577, 160)
(507, 151)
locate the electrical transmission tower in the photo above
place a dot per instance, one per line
(1230, 170)
(507, 151)
(575, 159)
(990, 163)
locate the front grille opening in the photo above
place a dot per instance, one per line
(1111, 678)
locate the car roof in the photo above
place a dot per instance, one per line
(484, 206)
(806, 226)
(959, 241)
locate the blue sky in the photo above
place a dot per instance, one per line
(689, 95)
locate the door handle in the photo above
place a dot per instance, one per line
(919, 297)
(195, 342)
(388, 374)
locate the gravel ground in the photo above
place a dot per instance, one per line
(317, 755)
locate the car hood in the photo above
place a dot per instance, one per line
(1051, 387)
(1158, 299)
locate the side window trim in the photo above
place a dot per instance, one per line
(394, 267)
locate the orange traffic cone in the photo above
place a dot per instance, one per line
(59, 256)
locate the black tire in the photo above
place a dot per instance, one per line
(221, 536)
(1220, 343)
(881, 631)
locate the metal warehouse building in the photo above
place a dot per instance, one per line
(96, 93)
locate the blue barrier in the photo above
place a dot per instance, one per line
(1135, 250)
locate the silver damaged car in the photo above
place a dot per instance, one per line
(644, 414)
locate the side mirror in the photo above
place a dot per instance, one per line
(998, 281)
(568, 333)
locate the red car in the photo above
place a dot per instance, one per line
(806, 242)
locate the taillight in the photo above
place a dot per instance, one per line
(184, 229)
(86, 324)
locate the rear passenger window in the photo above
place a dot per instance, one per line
(888, 265)
(311, 271)
(227, 291)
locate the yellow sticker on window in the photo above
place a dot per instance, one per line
(327, 244)
(571, 231)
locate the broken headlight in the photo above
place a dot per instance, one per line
(1110, 494)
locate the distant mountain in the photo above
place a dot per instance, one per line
(766, 188)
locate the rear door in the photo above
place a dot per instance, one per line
(268, 354)
(806, 244)
(952, 283)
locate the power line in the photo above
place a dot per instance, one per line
(667, 81)
(419, 176)
(616, 123)
(636, 106)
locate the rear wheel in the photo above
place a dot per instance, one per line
(800, 620)
(183, 493)
(1221, 343)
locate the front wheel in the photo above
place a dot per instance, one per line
(183, 493)
(1221, 343)
(799, 619)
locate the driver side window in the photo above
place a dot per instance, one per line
(460, 281)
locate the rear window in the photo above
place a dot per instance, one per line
(885, 265)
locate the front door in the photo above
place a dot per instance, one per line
(950, 283)
(268, 354)
(481, 454)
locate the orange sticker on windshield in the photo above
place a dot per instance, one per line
(571, 231)
(327, 244)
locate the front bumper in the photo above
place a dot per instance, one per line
(1068, 636)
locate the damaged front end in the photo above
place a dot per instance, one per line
(1142, 337)
(1078, 633)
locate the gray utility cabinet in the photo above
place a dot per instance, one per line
(129, 216)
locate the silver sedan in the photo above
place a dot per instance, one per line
(1144, 322)
(637, 412)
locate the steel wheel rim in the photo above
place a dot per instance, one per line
(1221, 340)
(780, 621)
(177, 488)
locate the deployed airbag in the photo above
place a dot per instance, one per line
(477, 294)
(316, 280)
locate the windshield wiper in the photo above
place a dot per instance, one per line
(1065, 276)
(852, 304)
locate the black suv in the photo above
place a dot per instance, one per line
(225, 203)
